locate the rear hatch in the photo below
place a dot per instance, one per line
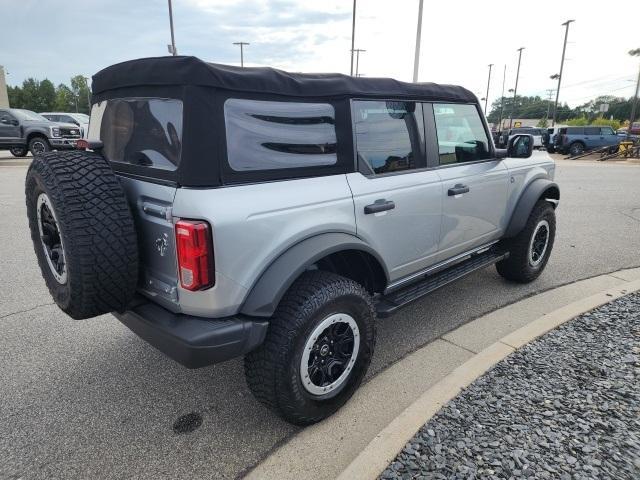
(142, 139)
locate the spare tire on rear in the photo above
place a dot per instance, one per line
(83, 232)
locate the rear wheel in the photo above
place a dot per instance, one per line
(576, 148)
(551, 149)
(82, 232)
(38, 145)
(317, 350)
(529, 251)
(19, 151)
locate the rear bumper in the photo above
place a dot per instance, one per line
(194, 341)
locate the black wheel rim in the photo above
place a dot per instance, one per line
(329, 354)
(51, 239)
(38, 147)
(539, 243)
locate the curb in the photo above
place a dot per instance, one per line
(381, 451)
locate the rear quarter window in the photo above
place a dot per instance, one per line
(269, 135)
(145, 132)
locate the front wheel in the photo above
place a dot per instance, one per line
(317, 350)
(529, 251)
(38, 145)
(576, 149)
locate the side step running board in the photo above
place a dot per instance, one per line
(388, 304)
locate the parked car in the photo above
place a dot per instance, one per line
(23, 131)
(549, 138)
(344, 199)
(536, 132)
(79, 119)
(577, 140)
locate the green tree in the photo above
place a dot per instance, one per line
(46, 96)
(15, 96)
(81, 92)
(64, 99)
(30, 94)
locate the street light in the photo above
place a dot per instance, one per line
(504, 77)
(241, 44)
(486, 98)
(515, 89)
(634, 53)
(358, 50)
(353, 35)
(172, 47)
(416, 59)
(564, 49)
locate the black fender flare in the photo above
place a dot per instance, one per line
(532, 193)
(266, 293)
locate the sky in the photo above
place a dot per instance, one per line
(57, 40)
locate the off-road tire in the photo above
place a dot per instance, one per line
(19, 151)
(96, 227)
(273, 369)
(39, 139)
(517, 267)
(577, 148)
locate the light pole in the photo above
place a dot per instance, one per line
(172, 47)
(564, 49)
(416, 60)
(504, 78)
(515, 89)
(634, 53)
(358, 50)
(353, 35)
(241, 45)
(486, 98)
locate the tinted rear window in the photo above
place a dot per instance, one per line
(592, 130)
(265, 135)
(575, 130)
(141, 131)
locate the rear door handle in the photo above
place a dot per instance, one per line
(379, 206)
(457, 189)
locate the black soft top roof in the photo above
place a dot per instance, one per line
(181, 70)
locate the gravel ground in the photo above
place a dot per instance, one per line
(566, 406)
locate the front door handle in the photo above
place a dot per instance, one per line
(379, 206)
(457, 189)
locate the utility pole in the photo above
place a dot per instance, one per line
(564, 49)
(353, 35)
(486, 98)
(172, 47)
(358, 50)
(416, 60)
(550, 92)
(634, 53)
(241, 44)
(504, 78)
(515, 89)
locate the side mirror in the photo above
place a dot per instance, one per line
(520, 146)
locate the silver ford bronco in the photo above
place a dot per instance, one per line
(220, 211)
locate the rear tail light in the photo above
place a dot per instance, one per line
(195, 255)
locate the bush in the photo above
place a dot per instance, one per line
(584, 121)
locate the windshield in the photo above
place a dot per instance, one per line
(28, 115)
(81, 117)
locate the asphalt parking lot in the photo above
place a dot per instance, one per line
(88, 399)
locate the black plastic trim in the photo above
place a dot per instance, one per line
(193, 341)
(526, 202)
